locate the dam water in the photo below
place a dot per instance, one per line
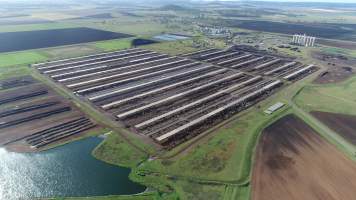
(65, 171)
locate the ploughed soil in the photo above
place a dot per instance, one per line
(345, 125)
(339, 68)
(338, 44)
(294, 163)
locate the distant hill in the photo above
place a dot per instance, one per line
(99, 16)
(95, 16)
(173, 7)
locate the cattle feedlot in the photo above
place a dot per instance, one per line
(174, 98)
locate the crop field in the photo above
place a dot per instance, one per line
(21, 21)
(322, 30)
(345, 125)
(172, 98)
(338, 43)
(294, 162)
(33, 117)
(16, 41)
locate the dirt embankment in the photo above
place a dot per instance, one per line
(339, 67)
(293, 162)
(345, 125)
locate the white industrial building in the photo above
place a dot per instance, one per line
(303, 40)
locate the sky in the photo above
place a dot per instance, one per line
(329, 1)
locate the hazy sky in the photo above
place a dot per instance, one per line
(329, 1)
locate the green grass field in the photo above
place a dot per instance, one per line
(117, 151)
(143, 27)
(338, 98)
(20, 58)
(172, 48)
(16, 64)
(32, 27)
(114, 44)
(339, 51)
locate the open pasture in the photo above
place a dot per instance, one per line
(294, 162)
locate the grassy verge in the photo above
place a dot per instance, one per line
(117, 151)
(191, 190)
(144, 196)
(172, 48)
(114, 44)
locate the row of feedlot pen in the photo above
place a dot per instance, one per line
(173, 98)
(35, 116)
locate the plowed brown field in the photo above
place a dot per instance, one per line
(294, 163)
(345, 125)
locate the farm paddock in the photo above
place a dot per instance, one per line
(173, 98)
(16, 82)
(338, 44)
(343, 124)
(36, 39)
(293, 162)
(33, 117)
(339, 68)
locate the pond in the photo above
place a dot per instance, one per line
(140, 42)
(18, 41)
(170, 37)
(69, 170)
